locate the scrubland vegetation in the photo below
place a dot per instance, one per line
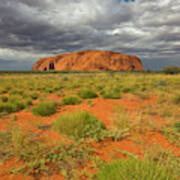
(103, 126)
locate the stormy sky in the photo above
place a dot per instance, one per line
(30, 29)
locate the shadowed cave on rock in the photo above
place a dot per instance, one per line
(51, 66)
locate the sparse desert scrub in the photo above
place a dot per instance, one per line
(14, 104)
(133, 120)
(172, 133)
(81, 124)
(71, 100)
(45, 108)
(86, 94)
(41, 159)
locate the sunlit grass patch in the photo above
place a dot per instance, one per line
(78, 125)
(71, 100)
(86, 94)
(134, 169)
(176, 99)
(45, 108)
(111, 93)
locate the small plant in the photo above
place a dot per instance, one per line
(135, 169)
(126, 90)
(65, 78)
(79, 125)
(10, 107)
(176, 99)
(45, 108)
(86, 94)
(113, 92)
(34, 95)
(89, 102)
(28, 102)
(4, 98)
(177, 126)
(15, 118)
(71, 100)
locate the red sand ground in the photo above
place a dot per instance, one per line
(102, 109)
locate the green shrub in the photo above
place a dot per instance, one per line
(134, 169)
(10, 107)
(45, 108)
(177, 126)
(4, 98)
(19, 106)
(111, 94)
(17, 92)
(171, 70)
(7, 108)
(86, 94)
(34, 95)
(126, 90)
(71, 100)
(28, 102)
(3, 91)
(176, 99)
(78, 125)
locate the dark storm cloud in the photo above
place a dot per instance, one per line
(30, 29)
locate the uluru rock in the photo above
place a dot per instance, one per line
(90, 61)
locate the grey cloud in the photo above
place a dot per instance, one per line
(145, 28)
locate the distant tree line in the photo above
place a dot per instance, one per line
(171, 70)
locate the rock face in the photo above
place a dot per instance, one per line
(90, 61)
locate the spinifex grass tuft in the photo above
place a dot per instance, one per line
(45, 108)
(134, 169)
(71, 100)
(86, 94)
(78, 125)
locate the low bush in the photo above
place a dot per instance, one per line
(176, 99)
(10, 107)
(3, 91)
(177, 126)
(71, 100)
(34, 95)
(45, 108)
(78, 125)
(17, 92)
(86, 94)
(4, 98)
(134, 169)
(111, 94)
(28, 102)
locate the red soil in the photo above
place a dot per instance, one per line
(102, 109)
